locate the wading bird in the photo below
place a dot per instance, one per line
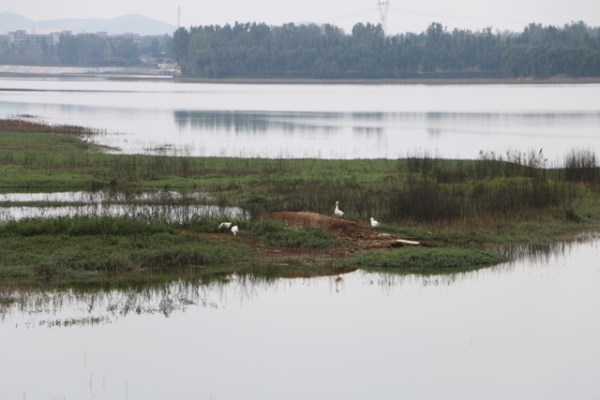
(234, 230)
(337, 211)
(374, 224)
(225, 225)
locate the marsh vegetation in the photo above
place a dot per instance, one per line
(499, 199)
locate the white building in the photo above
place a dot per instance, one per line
(21, 36)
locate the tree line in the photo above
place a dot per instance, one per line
(85, 50)
(257, 50)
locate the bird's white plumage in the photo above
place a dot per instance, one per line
(225, 225)
(374, 223)
(234, 230)
(337, 211)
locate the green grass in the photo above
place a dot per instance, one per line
(417, 189)
(471, 204)
(85, 225)
(67, 248)
(82, 249)
(60, 257)
(274, 233)
(423, 260)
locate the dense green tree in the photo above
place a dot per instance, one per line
(124, 51)
(181, 41)
(290, 50)
(257, 50)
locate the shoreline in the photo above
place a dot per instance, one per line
(397, 81)
(562, 80)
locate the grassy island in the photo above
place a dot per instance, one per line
(458, 210)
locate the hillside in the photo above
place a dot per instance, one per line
(133, 23)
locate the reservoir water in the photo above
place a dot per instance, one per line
(323, 121)
(529, 329)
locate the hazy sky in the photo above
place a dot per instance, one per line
(403, 16)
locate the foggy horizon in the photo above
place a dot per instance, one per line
(401, 18)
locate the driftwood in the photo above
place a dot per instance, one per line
(405, 242)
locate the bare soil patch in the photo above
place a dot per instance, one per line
(356, 237)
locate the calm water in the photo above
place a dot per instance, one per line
(525, 330)
(326, 121)
(529, 329)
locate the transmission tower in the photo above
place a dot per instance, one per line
(383, 6)
(178, 17)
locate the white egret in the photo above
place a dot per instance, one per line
(374, 224)
(224, 225)
(337, 211)
(234, 230)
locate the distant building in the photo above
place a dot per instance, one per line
(22, 37)
(137, 39)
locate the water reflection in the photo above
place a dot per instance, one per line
(534, 256)
(256, 122)
(537, 328)
(167, 213)
(542, 254)
(97, 197)
(327, 134)
(290, 122)
(368, 130)
(325, 121)
(67, 307)
(169, 207)
(63, 308)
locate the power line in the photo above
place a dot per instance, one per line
(383, 6)
(440, 15)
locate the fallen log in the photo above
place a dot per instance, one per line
(403, 242)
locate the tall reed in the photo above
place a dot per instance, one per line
(581, 166)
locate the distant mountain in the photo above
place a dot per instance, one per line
(133, 23)
(11, 22)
